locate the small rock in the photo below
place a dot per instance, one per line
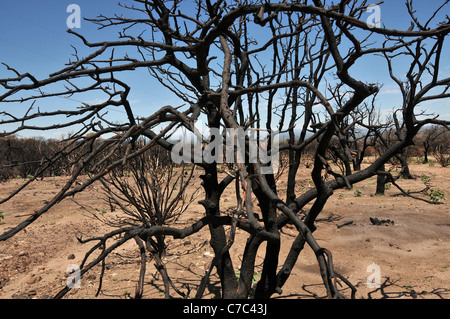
(208, 254)
(376, 221)
(5, 257)
(34, 279)
(71, 256)
(91, 277)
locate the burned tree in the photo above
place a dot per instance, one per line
(150, 190)
(251, 65)
(429, 139)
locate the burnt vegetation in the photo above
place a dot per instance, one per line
(272, 67)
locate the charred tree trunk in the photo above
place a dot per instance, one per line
(357, 161)
(426, 149)
(381, 182)
(218, 239)
(405, 173)
(268, 282)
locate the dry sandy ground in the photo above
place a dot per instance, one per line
(413, 254)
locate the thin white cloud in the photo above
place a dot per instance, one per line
(390, 91)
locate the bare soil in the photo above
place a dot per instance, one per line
(413, 253)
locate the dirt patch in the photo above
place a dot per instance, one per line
(412, 251)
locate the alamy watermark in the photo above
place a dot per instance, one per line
(374, 279)
(230, 145)
(374, 19)
(74, 19)
(74, 278)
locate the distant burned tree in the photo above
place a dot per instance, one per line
(387, 135)
(434, 140)
(441, 149)
(367, 120)
(429, 139)
(247, 65)
(357, 132)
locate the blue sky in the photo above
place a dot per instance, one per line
(34, 39)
